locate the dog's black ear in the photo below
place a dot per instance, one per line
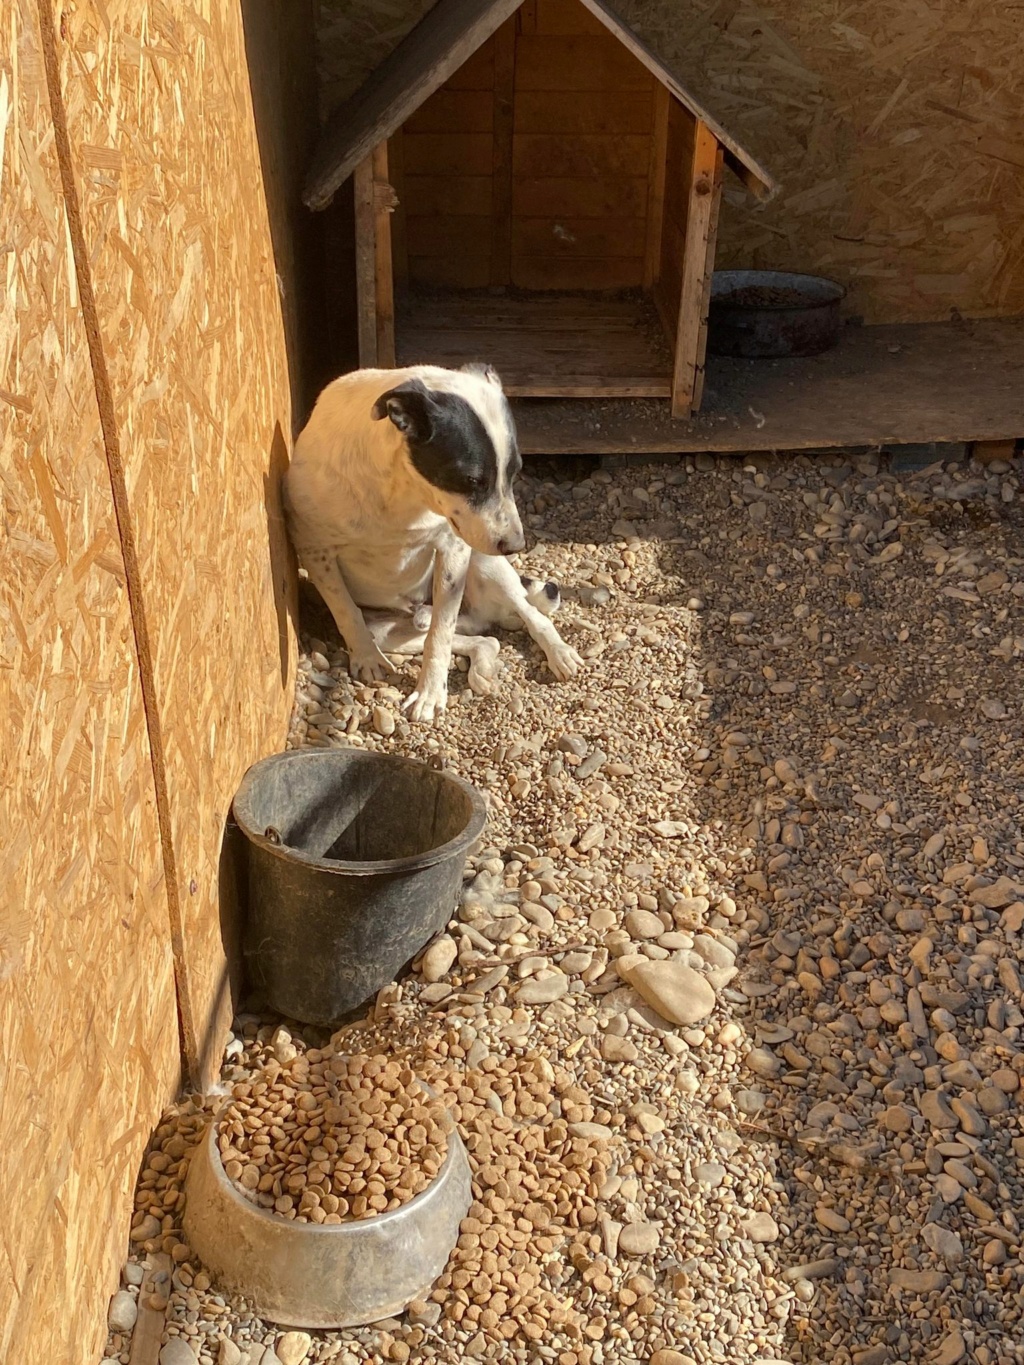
(487, 372)
(408, 405)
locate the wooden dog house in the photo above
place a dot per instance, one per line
(535, 188)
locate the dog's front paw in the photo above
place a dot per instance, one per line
(563, 661)
(428, 701)
(369, 664)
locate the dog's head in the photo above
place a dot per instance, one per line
(461, 447)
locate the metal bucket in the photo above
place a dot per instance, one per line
(355, 863)
(759, 314)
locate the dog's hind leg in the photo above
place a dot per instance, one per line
(492, 583)
(407, 636)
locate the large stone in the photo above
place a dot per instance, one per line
(543, 990)
(438, 959)
(293, 1347)
(122, 1312)
(760, 1227)
(177, 1351)
(228, 1353)
(1002, 892)
(935, 1109)
(943, 1243)
(676, 991)
(639, 1239)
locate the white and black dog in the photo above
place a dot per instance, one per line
(401, 509)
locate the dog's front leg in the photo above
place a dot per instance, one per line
(431, 695)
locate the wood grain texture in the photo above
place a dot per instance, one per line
(880, 386)
(916, 206)
(698, 263)
(88, 1032)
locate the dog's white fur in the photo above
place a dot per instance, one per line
(379, 541)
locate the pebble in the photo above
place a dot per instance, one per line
(678, 993)
(228, 1353)
(543, 990)
(639, 1239)
(760, 1227)
(437, 961)
(122, 1313)
(293, 1347)
(176, 1351)
(667, 1356)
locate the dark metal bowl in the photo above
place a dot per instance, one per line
(770, 313)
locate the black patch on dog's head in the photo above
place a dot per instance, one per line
(551, 591)
(449, 445)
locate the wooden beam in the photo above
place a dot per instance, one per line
(383, 268)
(697, 267)
(656, 186)
(501, 166)
(441, 42)
(366, 263)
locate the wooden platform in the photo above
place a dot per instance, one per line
(955, 381)
(562, 344)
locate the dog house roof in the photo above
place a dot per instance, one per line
(441, 42)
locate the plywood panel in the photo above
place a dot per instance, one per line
(572, 238)
(461, 111)
(564, 16)
(88, 1033)
(451, 195)
(191, 327)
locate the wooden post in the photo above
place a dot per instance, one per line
(375, 281)
(366, 275)
(384, 275)
(656, 182)
(698, 266)
(501, 165)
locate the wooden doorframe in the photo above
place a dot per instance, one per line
(698, 266)
(375, 201)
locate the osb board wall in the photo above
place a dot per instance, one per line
(893, 127)
(191, 375)
(158, 104)
(88, 1036)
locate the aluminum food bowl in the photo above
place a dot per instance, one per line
(761, 314)
(323, 1275)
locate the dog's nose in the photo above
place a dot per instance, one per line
(509, 544)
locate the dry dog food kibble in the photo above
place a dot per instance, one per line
(332, 1138)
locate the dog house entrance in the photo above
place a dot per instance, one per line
(533, 188)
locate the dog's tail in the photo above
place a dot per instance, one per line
(544, 596)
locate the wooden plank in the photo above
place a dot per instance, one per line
(656, 185)
(556, 272)
(450, 111)
(886, 385)
(455, 234)
(680, 134)
(565, 17)
(476, 72)
(749, 170)
(502, 151)
(546, 62)
(448, 153)
(383, 268)
(579, 237)
(467, 272)
(700, 221)
(443, 41)
(546, 155)
(149, 1325)
(366, 263)
(705, 299)
(580, 197)
(448, 195)
(584, 111)
(985, 452)
(544, 344)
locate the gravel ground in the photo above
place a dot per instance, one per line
(730, 1013)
